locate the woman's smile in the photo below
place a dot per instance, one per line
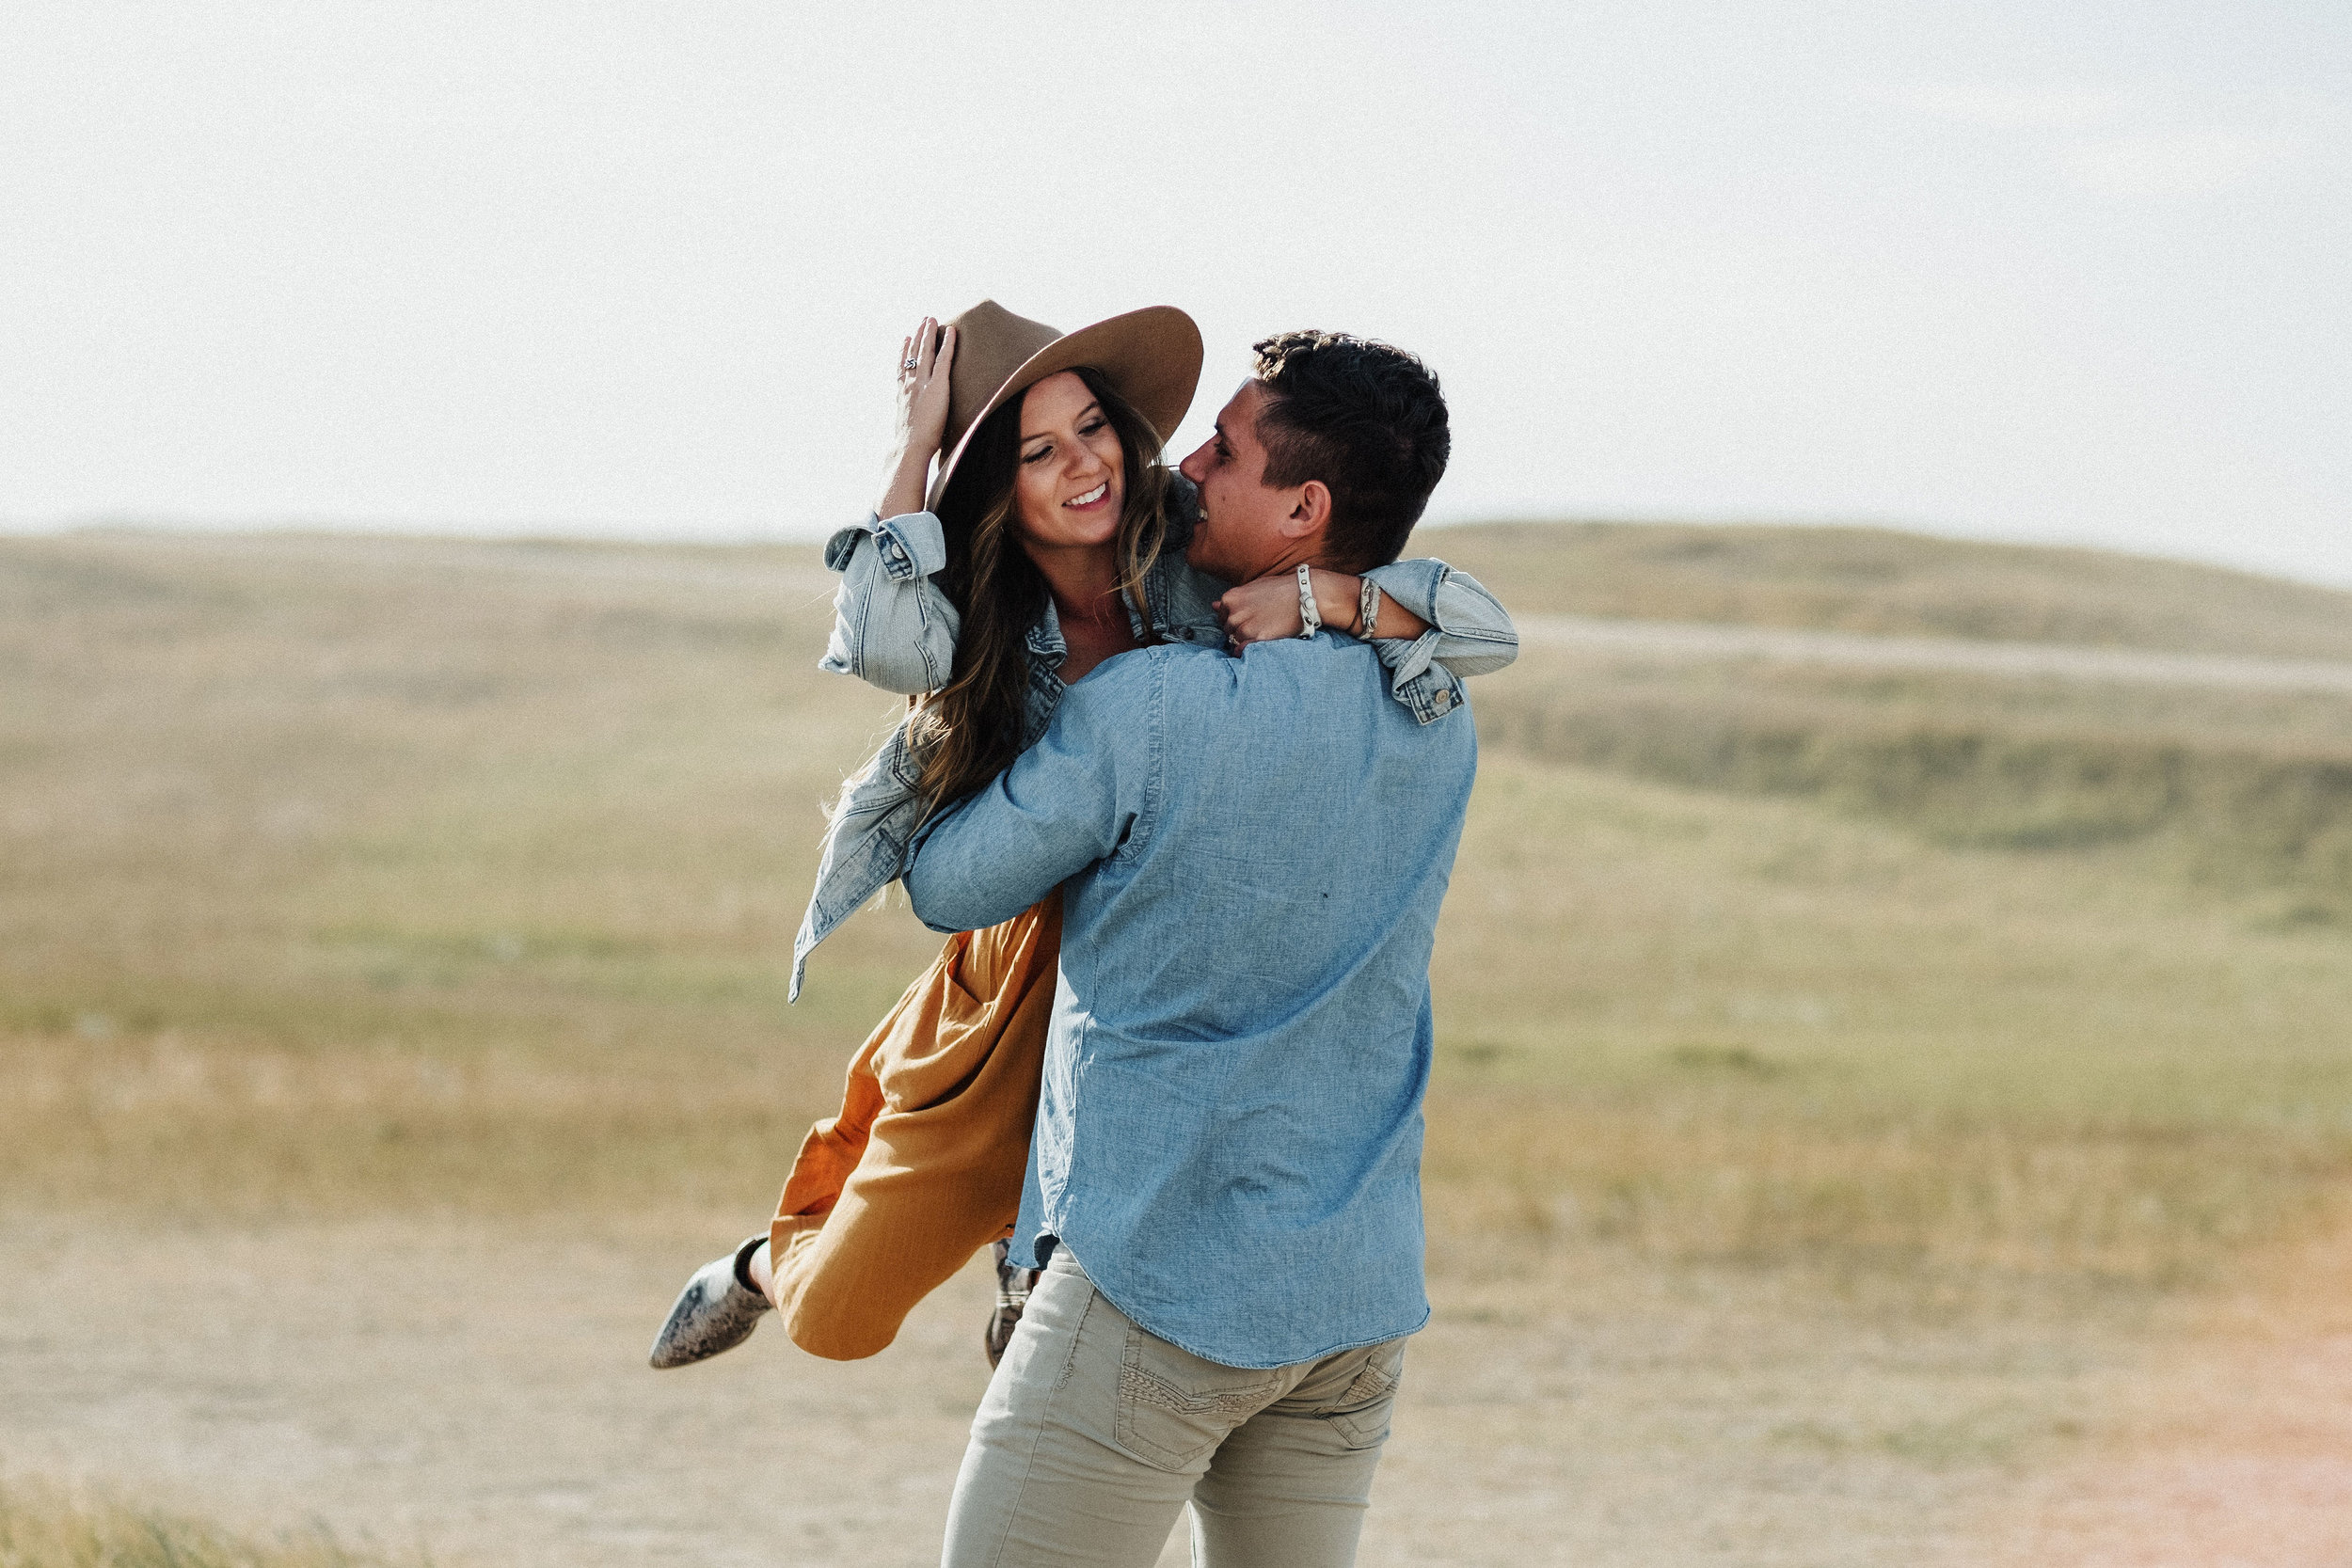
(1072, 481)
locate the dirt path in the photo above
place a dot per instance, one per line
(425, 1385)
(2232, 1450)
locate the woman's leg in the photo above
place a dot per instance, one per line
(923, 1166)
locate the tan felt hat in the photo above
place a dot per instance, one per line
(1150, 357)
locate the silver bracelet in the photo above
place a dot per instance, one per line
(1368, 610)
(1309, 618)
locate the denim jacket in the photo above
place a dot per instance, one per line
(894, 627)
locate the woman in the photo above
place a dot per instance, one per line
(1051, 540)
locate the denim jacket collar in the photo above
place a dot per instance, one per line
(1048, 647)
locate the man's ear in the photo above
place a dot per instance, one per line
(1311, 513)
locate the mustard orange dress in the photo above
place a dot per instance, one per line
(922, 1165)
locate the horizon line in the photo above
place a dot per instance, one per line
(583, 531)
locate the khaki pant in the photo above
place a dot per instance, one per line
(922, 1167)
(1094, 1433)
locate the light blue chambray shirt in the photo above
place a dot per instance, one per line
(1251, 853)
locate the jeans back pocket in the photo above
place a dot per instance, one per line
(1360, 1416)
(1174, 1406)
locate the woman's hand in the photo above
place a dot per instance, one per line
(1261, 611)
(924, 360)
(1267, 610)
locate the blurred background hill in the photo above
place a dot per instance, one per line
(1884, 580)
(2239, 767)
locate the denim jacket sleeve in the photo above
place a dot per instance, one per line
(1469, 634)
(892, 625)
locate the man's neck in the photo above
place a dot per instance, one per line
(1311, 553)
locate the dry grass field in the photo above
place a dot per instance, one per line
(41, 1527)
(1836, 1156)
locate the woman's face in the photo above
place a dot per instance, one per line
(1072, 477)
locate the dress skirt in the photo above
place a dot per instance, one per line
(922, 1165)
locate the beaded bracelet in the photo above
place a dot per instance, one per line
(1309, 618)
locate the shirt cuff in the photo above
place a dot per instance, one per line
(909, 545)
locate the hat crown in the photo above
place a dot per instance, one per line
(991, 344)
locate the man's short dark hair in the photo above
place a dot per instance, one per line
(1365, 418)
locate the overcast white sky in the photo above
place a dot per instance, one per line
(2064, 271)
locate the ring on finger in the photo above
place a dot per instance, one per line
(908, 364)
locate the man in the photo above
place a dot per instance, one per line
(1224, 1184)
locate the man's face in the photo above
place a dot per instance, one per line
(1241, 536)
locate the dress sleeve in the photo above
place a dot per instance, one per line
(891, 625)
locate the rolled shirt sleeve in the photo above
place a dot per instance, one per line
(893, 626)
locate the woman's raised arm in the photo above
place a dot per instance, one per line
(924, 360)
(892, 625)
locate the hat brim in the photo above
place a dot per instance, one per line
(1150, 357)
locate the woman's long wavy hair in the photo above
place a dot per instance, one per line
(971, 729)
